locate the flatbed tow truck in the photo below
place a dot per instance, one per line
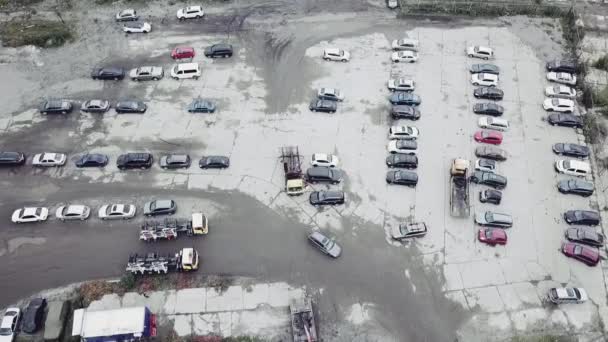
(185, 260)
(170, 229)
(302, 320)
(292, 166)
(459, 188)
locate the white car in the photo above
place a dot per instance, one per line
(401, 84)
(403, 132)
(73, 212)
(561, 77)
(49, 159)
(9, 324)
(30, 214)
(324, 159)
(404, 44)
(186, 70)
(482, 52)
(558, 105)
(392, 4)
(334, 54)
(484, 79)
(190, 12)
(564, 295)
(128, 14)
(560, 91)
(402, 147)
(116, 211)
(573, 167)
(496, 124)
(404, 56)
(137, 27)
(330, 94)
(486, 165)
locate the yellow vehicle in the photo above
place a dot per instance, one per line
(200, 224)
(294, 181)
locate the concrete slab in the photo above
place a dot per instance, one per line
(524, 319)
(107, 302)
(514, 270)
(170, 302)
(458, 297)
(278, 295)
(231, 299)
(485, 298)
(255, 295)
(132, 299)
(481, 273)
(527, 293)
(206, 324)
(182, 324)
(509, 297)
(190, 301)
(453, 279)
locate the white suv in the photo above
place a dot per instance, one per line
(482, 52)
(186, 70)
(558, 105)
(483, 79)
(401, 84)
(324, 159)
(9, 324)
(190, 12)
(403, 132)
(335, 54)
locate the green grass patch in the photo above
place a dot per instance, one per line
(41, 33)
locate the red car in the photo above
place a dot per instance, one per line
(492, 236)
(488, 137)
(586, 254)
(182, 52)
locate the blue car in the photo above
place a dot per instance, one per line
(403, 98)
(201, 106)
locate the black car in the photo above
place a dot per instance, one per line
(323, 174)
(327, 106)
(584, 217)
(404, 98)
(562, 66)
(406, 161)
(56, 107)
(490, 179)
(405, 112)
(12, 158)
(566, 120)
(33, 315)
(135, 161)
(571, 150)
(201, 106)
(131, 106)
(585, 235)
(175, 161)
(108, 73)
(488, 108)
(490, 196)
(491, 152)
(576, 187)
(214, 162)
(218, 50)
(160, 207)
(326, 197)
(484, 68)
(92, 160)
(490, 93)
(401, 177)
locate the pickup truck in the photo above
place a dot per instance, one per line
(146, 73)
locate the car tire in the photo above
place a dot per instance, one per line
(154, 78)
(476, 84)
(181, 18)
(485, 58)
(325, 58)
(313, 110)
(471, 56)
(395, 61)
(198, 17)
(344, 60)
(195, 77)
(332, 111)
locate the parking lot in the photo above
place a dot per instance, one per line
(262, 94)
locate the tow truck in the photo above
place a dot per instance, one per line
(459, 188)
(185, 260)
(170, 229)
(302, 320)
(294, 181)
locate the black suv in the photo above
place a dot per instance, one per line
(323, 174)
(576, 187)
(134, 161)
(489, 179)
(108, 73)
(562, 66)
(585, 217)
(218, 50)
(490, 196)
(406, 161)
(12, 158)
(326, 197)
(405, 112)
(490, 93)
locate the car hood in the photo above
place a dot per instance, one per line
(396, 232)
(16, 214)
(335, 251)
(480, 218)
(163, 161)
(148, 207)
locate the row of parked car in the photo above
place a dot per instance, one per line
(584, 241)
(80, 212)
(134, 160)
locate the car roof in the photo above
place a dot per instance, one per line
(321, 156)
(490, 76)
(75, 209)
(583, 185)
(118, 207)
(407, 53)
(407, 174)
(7, 322)
(145, 68)
(29, 211)
(579, 165)
(564, 101)
(484, 48)
(318, 236)
(333, 193)
(182, 66)
(179, 157)
(164, 203)
(197, 7)
(329, 90)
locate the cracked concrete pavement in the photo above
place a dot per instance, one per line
(443, 286)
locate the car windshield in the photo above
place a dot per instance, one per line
(577, 250)
(489, 216)
(329, 244)
(555, 102)
(321, 195)
(5, 331)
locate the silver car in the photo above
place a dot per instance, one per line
(492, 219)
(146, 73)
(72, 212)
(325, 244)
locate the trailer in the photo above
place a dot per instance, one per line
(302, 320)
(185, 260)
(459, 188)
(126, 324)
(292, 166)
(170, 228)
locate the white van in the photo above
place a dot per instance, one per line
(496, 124)
(572, 167)
(186, 70)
